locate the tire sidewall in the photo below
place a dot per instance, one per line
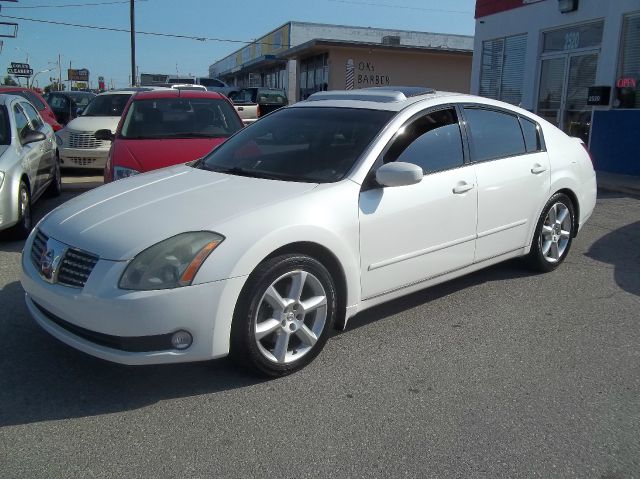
(537, 256)
(25, 222)
(243, 343)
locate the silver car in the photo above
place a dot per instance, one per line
(29, 163)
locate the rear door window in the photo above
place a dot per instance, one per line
(493, 134)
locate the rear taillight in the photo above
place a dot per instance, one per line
(589, 153)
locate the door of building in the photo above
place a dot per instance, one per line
(568, 67)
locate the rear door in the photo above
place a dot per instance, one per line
(514, 177)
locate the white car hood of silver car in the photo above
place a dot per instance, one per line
(93, 123)
(120, 219)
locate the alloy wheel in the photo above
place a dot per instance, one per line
(556, 232)
(291, 317)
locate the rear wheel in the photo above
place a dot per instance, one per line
(554, 234)
(55, 188)
(284, 315)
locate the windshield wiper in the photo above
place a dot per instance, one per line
(238, 170)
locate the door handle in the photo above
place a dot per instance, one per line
(538, 168)
(462, 187)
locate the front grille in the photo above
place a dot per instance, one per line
(81, 161)
(38, 247)
(76, 267)
(84, 140)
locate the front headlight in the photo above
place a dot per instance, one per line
(120, 172)
(172, 263)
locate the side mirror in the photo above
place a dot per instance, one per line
(104, 135)
(31, 136)
(399, 174)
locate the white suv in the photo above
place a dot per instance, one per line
(77, 143)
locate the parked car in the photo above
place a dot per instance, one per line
(77, 144)
(301, 220)
(163, 128)
(188, 86)
(37, 100)
(28, 162)
(252, 103)
(67, 105)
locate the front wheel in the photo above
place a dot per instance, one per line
(22, 229)
(284, 315)
(554, 234)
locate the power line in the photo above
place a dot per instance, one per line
(74, 5)
(138, 32)
(405, 7)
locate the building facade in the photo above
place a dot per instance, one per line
(576, 63)
(303, 58)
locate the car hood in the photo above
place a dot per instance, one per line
(147, 155)
(93, 123)
(120, 219)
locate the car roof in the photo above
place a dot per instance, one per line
(396, 99)
(177, 93)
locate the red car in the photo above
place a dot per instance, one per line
(165, 127)
(36, 100)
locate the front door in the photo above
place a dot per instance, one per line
(409, 234)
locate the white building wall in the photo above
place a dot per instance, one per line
(302, 32)
(535, 18)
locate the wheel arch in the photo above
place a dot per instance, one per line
(576, 207)
(330, 261)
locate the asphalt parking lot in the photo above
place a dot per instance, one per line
(501, 374)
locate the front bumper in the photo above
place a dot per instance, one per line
(83, 157)
(104, 321)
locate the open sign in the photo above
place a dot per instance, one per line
(627, 83)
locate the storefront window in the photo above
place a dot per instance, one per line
(574, 38)
(627, 88)
(502, 69)
(314, 75)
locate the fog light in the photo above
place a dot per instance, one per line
(181, 339)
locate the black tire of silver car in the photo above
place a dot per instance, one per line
(22, 229)
(284, 315)
(554, 234)
(55, 188)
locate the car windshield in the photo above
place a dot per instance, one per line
(314, 144)
(107, 105)
(180, 118)
(82, 99)
(5, 128)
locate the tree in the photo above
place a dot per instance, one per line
(8, 80)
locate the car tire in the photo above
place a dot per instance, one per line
(284, 315)
(55, 188)
(554, 234)
(22, 229)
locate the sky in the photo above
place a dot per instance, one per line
(107, 53)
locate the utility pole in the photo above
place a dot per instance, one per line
(133, 43)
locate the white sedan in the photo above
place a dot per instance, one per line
(298, 222)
